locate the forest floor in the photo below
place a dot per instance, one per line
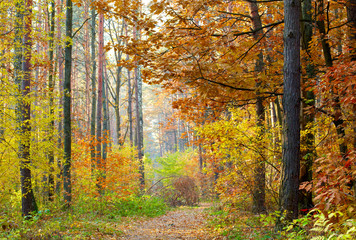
(178, 223)
(181, 223)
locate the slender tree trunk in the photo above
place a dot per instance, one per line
(201, 159)
(291, 106)
(118, 56)
(106, 134)
(67, 187)
(129, 107)
(2, 108)
(279, 111)
(87, 70)
(51, 104)
(117, 106)
(93, 92)
(18, 58)
(60, 85)
(308, 155)
(259, 192)
(139, 125)
(100, 104)
(109, 130)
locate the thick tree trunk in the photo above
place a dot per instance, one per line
(28, 200)
(291, 104)
(67, 186)
(259, 192)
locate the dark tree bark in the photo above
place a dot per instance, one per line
(291, 104)
(67, 187)
(51, 103)
(309, 154)
(259, 188)
(351, 18)
(28, 199)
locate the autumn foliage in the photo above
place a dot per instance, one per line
(188, 98)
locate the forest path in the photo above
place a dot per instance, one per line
(182, 223)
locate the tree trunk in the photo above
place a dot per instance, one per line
(2, 109)
(117, 106)
(129, 107)
(106, 134)
(259, 192)
(201, 159)
(291, 105)
(118, 56)
(67, 186)
(87, 70)
(139, 125)
(99, 159)
(93, 92)
(351, 19)
(60, 84)
(139, 117)
(28, 199)
(51, 104)
(309, 154)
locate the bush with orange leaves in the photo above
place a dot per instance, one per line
(120, 171)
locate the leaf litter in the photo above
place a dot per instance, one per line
(182, 223)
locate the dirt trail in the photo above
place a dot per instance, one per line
(183, 223)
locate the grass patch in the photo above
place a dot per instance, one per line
(88, 217)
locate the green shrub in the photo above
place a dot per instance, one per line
(140, 206)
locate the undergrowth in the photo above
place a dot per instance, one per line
(237, 224)
(87, 218)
